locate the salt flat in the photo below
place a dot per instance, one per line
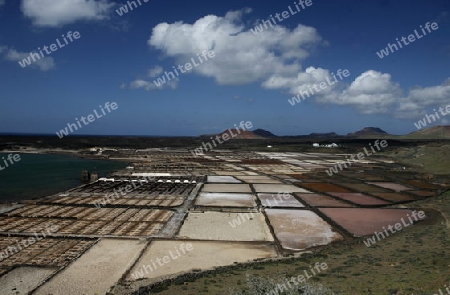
(97, 271)
(204, 255)
(219, 226)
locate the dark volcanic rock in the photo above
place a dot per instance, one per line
(368, 131)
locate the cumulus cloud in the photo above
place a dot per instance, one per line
(374, 92)
(304, 81)
(274, 58)
(431, 95)
(421, 100)
(50, 13)
(371, 92)
(241, 56)
(2, 2)
(44, 63)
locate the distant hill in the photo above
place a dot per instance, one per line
(264, 133)
(242, 134)
(368, 131)
(431, 133)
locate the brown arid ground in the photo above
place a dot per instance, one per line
(433, 158)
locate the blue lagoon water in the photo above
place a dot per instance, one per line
(38, 175)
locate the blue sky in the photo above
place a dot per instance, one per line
(251, 77)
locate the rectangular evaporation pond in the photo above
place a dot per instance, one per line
(300, 176)
(300, 229)
(394, 197)
(226, 188)
(359, 199)
(262, 177)
(325, 187)
(97, 270)
(278, 188)
(222, 179)
(341, 180)
(279, 200)
(201, 255)
(366, 221)
(391, 185)
(225, 200)
(311, 180)
(150, 174)
(366, 188)
(227, 173)
(258, 179)
(316, 200)
(370, 177)
(221, 226)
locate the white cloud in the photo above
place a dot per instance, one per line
(431, 95)
(371, 92)
(155, 71)
(422, 100)
(274, 58)
(2, 2)
(237, 14)
(240, 56)
(375, 93)
(51, 13)
(139, 84)
(150, 86)
(44, 63)
(303, 82)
